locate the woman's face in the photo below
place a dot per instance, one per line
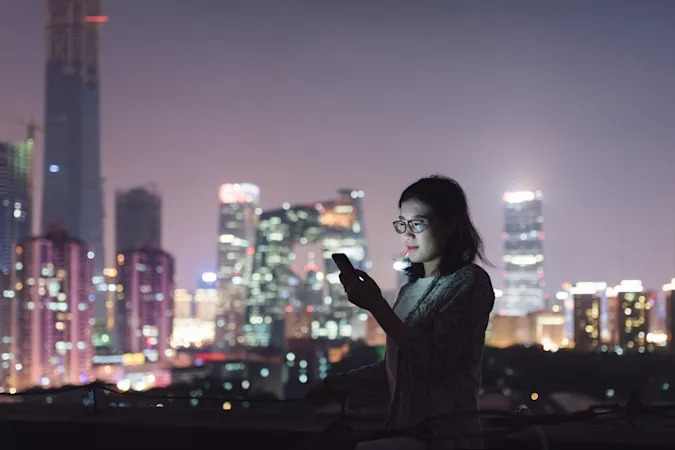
(428, 245)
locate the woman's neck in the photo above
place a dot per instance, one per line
(431, 269)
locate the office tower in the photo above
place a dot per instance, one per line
(632, 315)
(72, 195)
(144, 310)
(300, 312)
(206, 301)
(7, 309)
(669, 293)
(138, 219)
(590, 312)
(54, 313)
(15, 197)
(523, 255)
(337, 227)
(236, 245)
(185, 329)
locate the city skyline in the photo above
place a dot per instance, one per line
(303, 101)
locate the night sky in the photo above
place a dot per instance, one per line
(575, 98)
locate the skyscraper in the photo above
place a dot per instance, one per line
(337, 227)
(523, 255)
(15, 207)
(236, 244)
(669, 293)
(54, 314)
(6, 314)
(138, 219)
(144, 310)
(72, 161)
(591, 325)
(633, 314)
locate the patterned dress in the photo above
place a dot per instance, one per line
(441, 372)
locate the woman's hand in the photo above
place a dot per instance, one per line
(362, 290)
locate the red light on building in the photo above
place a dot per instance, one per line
(250, 251)
(310, 308)
(288, 308)
(215, 356)
(96, 19)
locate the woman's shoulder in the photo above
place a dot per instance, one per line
(471, 274)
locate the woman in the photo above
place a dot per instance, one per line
(436, 328)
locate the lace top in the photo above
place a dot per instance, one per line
(440, 373)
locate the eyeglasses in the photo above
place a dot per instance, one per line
(416, 226)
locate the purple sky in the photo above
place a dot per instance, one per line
(302, 98)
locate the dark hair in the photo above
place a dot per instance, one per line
(448, 203)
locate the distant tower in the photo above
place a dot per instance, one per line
(236, 245)
(523, 237)
(138, 219)
(72, 160)
(15, 207)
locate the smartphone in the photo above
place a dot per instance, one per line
(343, 263)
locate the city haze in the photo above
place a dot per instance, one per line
(304, 98)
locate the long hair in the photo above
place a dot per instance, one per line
(448, 203)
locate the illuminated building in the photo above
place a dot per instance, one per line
(590, 307)
(505, 331)
(144, 310)
(523, 255)
(131, 371)
(236, 246)
(54, 311)
(634, 305)
(138, 219)
(15, 208)
(72, 188)
(194, 320)
(206, 298)
(337, 227)
(669, 292)
(7, 309)
(103, 338)
(300, 311)
(186, 329)
(547, 329)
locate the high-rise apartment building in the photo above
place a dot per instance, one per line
(54, 311)
(144, 309)
(590, 312)
(632, 315)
